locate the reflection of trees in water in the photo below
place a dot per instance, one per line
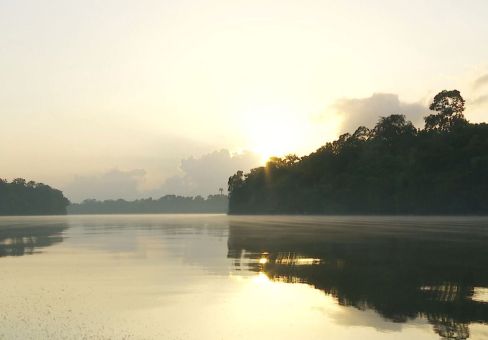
(430, 274)
(26, 240)
(449, 328)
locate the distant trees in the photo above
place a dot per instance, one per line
(393, 168)
(165, 204)
(20, 197)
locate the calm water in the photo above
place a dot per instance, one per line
(220, 277)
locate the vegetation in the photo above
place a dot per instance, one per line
(30, 198)
(393, 168)
(165, 204)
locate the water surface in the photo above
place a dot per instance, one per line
(230, 277)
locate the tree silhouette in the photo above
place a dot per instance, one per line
(391, 169)
(235, 181)
(393, 126)
(449, 106)
(30, 198)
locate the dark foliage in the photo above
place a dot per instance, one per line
(30, 198)
(391, 169)
(165, 204)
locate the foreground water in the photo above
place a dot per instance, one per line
(226, 277)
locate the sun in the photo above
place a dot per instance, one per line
(277, 144)
(274, 132)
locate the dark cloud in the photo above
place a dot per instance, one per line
(110, 185)
(366, 111)
(481, 81)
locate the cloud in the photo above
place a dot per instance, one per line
(206, 174)
(110, 185)
(480, 100)
(366, 111)
(480, 81)
(198, 176)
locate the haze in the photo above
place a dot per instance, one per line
(130, 99)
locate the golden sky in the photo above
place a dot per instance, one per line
(92, 86)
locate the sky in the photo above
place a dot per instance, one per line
(108, 99)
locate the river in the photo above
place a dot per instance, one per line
(243, 277)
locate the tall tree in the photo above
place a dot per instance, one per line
(235, 181)
(388, 128)
(449, 106)
(392, 169)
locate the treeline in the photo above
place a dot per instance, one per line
(20, 197)
(393, 168)
(165, 204)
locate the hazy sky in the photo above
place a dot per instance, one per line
(90, 89)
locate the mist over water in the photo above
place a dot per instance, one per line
(232, 277)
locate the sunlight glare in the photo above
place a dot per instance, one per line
(262, 279)
(274, 131)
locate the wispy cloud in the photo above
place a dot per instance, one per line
(480, 100)
(480, 81)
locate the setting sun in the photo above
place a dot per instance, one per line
(244, 169)
(275, 131)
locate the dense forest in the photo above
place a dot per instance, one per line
(165, 204)
(20, 197)
(392, 168)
